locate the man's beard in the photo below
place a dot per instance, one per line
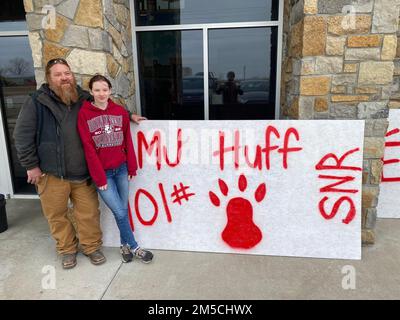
(67, 92)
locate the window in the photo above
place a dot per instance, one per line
(234, 42)
(244, 79)
(12, 16)
(17, 80)
(175, 12)
(171, 87)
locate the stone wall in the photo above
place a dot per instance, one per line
(341, 63)
(292, 48)
(93, 35)
(395, 97)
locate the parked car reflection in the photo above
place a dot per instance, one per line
(193, 89)
(254, 92)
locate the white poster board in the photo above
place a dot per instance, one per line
(286, 188)
(389, 194)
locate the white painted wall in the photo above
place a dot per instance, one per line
(389, 200)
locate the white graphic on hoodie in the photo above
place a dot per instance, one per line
(107, 130)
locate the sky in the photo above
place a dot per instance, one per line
(13, 47)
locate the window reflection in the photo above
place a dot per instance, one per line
(17, 80)
(230, 89)
(12, 16)
(171, 74)
(242, 64)
(168, 12)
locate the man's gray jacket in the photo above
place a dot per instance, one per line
(46, 135)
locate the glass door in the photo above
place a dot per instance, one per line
(171, 74)
(235, 42)
(242, 74)
(17, 81)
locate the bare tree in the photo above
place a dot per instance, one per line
(18, 66)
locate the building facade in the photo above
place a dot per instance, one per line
(265, 59)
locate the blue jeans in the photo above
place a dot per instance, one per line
(116, 198)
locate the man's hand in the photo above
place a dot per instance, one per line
(103, 187)
(34, 175)
(136, 119)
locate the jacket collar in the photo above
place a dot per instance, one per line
(49, 99)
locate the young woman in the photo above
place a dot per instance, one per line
(104, 129)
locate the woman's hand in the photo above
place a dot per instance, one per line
(103, 187)
(136, 119)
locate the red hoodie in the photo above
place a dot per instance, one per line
(106, 139)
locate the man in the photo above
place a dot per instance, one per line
(230, 90)
(49, 147)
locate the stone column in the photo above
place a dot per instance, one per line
(395, 90)
(93, 35)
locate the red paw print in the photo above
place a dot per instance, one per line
(240, 230)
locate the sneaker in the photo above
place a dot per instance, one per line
(68, 260)
(126, 253)
(144, 255)
(97, 257)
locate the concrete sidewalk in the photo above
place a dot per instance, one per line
(27, 251)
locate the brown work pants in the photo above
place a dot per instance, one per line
(54, 195)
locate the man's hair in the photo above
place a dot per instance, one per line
(53, 62)
(230, 74)
(99, 77)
